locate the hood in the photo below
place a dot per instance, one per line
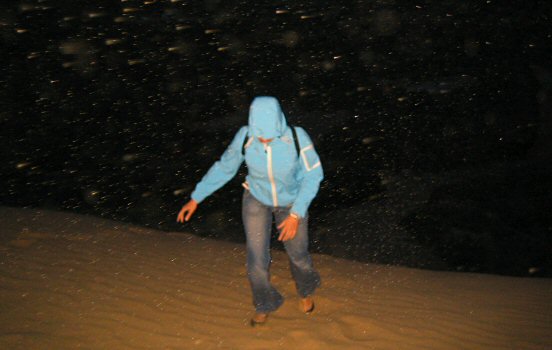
(266, 118)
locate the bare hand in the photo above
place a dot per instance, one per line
(187, 211)
(288, 228)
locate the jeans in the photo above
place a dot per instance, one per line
(257, 220)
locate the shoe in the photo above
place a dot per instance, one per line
(258, 320)
(311, 308)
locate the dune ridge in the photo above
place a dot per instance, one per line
(72, 281)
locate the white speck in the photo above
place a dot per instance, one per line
(368, 140)
(135, 61)
(95, 14)
(26, 7)
(112, 41)
(328, 65)
(178, 191)
(129, 157)
(22, 165)
(130, 9)
(309, 16)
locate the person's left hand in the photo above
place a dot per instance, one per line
(288, 228)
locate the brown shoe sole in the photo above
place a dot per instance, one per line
(254, 323)
(311, 309)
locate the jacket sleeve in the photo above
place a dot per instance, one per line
(223, 170)
(312, 174)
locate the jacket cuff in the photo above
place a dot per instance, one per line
(197, 198)
(297, 211)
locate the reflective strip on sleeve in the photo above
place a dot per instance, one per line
(304, 156)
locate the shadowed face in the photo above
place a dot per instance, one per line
(266, 119)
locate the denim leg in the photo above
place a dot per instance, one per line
(257, 220)
(306, 277)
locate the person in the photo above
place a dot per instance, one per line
(282, 181)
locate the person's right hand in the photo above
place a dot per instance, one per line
(187, 211)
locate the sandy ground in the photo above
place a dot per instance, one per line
(69, 281)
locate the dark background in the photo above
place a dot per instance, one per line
(433, 119)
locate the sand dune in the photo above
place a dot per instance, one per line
(70, 281)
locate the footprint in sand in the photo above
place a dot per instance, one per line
(22, 243)
(78, 237)
(27, 238)
(306, 339)
(139, 231)
(359, 328)
(35, 235)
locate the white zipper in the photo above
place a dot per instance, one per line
(270, 175)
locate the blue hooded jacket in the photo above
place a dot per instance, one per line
(277, 175)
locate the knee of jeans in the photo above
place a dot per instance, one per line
(257, 261)
(257, 270)
(297, 251)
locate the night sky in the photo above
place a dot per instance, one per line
(433, 119)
